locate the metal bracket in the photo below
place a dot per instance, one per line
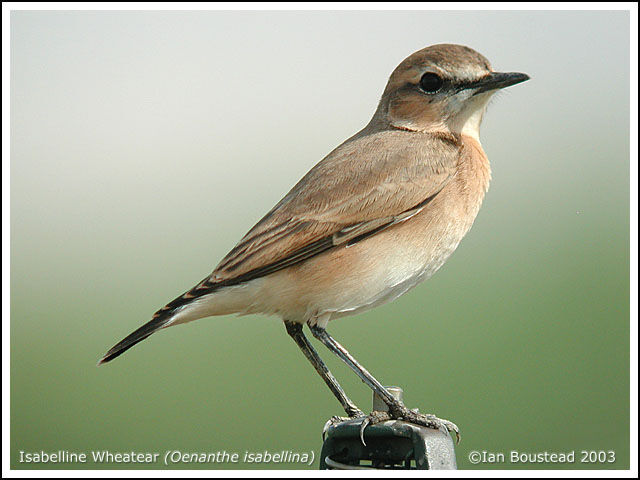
(393, 444)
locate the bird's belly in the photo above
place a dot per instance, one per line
(371, 300)
(359, 277)
(389, 292)
(404, 271)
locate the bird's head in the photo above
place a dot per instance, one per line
(442, 88)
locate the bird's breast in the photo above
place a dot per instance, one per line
(398, 259)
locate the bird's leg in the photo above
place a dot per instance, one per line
(397, 410)
(295, 331)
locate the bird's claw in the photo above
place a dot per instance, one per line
(410, 416)
(371, 419)
(335, 420)
(331, 422)
(431, 421)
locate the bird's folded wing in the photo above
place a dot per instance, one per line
(361, 188)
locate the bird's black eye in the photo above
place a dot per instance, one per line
(431, 82)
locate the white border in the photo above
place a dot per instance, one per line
(147, 6)
(11, 6)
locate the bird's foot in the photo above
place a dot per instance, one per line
(412, 416)
(335, 420)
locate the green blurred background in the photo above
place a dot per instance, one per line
(145, 144)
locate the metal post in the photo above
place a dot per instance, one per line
(393, 444)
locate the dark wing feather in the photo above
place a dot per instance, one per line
(363, 185)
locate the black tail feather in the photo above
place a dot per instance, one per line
(136, 337)
(160, 319)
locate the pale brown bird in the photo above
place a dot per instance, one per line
(380, 213)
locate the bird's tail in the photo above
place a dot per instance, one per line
(179, 310)
(140, 334)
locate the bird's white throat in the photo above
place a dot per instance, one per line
(469, 116)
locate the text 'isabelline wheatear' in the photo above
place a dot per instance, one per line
(382, 212)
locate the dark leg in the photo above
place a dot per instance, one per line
(295, 331)
(322, 335)
(396, 409)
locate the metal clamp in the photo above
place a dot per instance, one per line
(393, 444)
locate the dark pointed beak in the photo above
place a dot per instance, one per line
(497, 80)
